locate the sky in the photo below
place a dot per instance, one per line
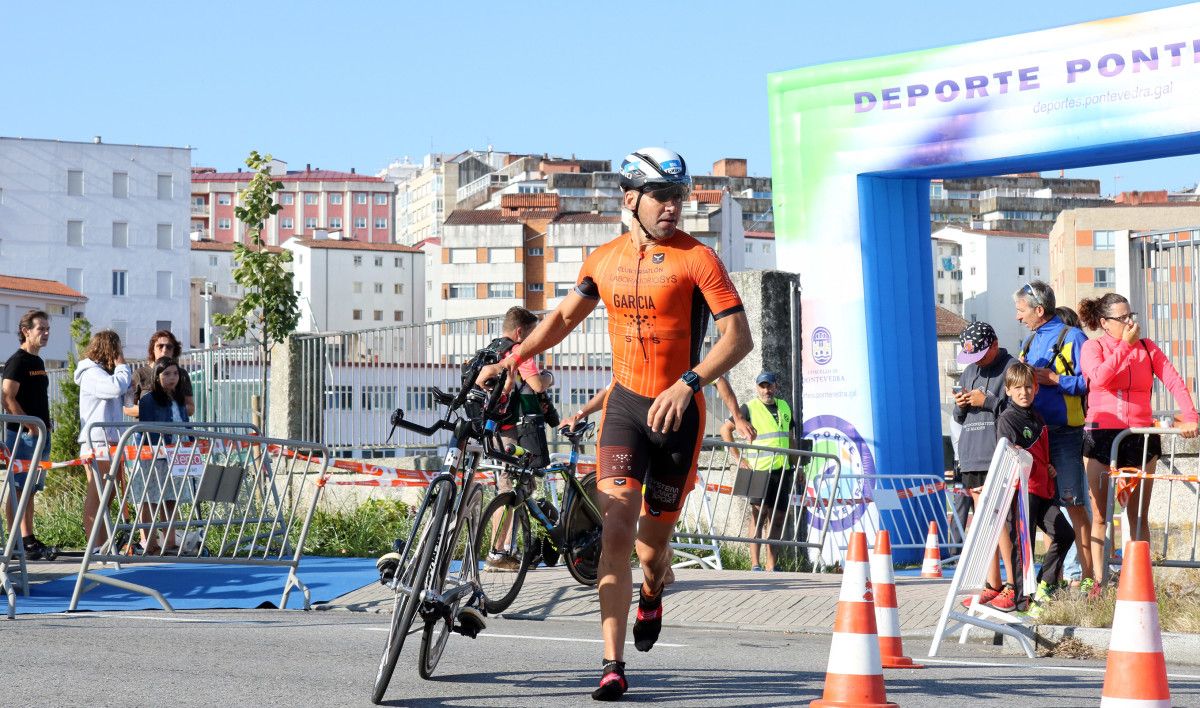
(359, 84)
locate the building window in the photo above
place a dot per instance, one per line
(535, 287)
(358, 260)
(356, 315)
(74, 233)
(357, 287)
(1020, 248)
(381, 223)
(360, 222)
(166, 187)
(310, 222)
(379, 261)
(502, 290)
(418, 399)
(463, 255)
(1103, 240)
(164, 236)
(335, 222)
(378, 315)
(1104, 278)
(398, 289)
(74, 183)
(535, 251)
(941, 274)
(224, 224)
(568, 255)
(381, 199)
(462, 291)
(310, 198)
(120, 185)
(1021, 271)
(749, 248)
(502, 255)
(287, 199)
(339, 397)
(398, 262)
(378, 288)
(287, 224)
(212, 261)
(224, 199)
(561, 289)
(360, 197)
(580, 396)
(163, 283)
(398, 315)
(118, 283)
(335, 198)
(120, 234)
(381, 398)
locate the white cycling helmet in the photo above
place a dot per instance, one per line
(653, 166)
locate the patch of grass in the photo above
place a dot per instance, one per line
(1178, 605)
(363, 532)
(58, 511)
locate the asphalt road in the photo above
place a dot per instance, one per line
(329, 658)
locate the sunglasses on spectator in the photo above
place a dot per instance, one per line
(668, 194)
(1034, 300)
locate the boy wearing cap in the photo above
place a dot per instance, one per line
(977, 406)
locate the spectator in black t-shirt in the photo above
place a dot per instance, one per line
(26, 391)
(162, 344)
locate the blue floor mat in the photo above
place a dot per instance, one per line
(196, 587)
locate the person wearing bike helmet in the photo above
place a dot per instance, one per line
(659, 285)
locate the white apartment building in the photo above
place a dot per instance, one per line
(110, 221)
(482, 266)
(948, 275)
(995, 264)
(758, 248)
(61, 303)
(349, 285)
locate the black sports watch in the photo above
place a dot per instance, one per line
(692, 379)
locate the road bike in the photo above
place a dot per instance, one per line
(433, 571)
(573, 529)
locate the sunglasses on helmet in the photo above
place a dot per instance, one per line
(668, 193)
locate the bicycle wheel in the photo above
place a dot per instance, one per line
(501, 578)
(582, 549)
(457, 566)
(413, 577)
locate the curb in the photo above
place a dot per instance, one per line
(1178, 648)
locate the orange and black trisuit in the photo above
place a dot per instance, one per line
(659, 299)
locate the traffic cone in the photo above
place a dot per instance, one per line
(887, 611)
(932, 567)
(854, 675)
(1137, 670)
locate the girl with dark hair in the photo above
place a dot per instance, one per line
(1120, 367)
(154, 491)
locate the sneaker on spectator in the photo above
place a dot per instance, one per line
(1044, 591)
(984, 597)
(1005, 600)
(1035, 610)
(501, 561)
(1087, 587)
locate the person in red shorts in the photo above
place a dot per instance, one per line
(659, 286)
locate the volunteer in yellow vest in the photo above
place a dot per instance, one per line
(771, 418)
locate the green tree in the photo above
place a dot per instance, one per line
(270, 309)
(64, 439)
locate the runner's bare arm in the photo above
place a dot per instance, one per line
(552, 330)
(733, 344)
(743, 427)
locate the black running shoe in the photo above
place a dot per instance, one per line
(649, 621)
(612, 682)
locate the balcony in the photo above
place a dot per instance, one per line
(200, 209)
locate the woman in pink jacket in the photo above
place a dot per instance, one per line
(1120, 368)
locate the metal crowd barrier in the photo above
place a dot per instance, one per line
(10, 538)
(201, 494)
(733, 503)
(1138, 476)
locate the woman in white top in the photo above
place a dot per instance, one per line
(103, 378)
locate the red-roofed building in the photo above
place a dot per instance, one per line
(19, 295)
(358, 205)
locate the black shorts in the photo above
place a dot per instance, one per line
(1097, 445)
(973, 480)
(771, 487)
(664, 462)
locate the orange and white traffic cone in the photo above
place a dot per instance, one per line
(932, 567)
(854, 676)
(1136, 676)
(887, 611)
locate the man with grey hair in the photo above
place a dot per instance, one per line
(1053, 350)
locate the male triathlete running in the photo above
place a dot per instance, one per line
(659, 285)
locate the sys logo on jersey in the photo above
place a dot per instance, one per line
(822, 346)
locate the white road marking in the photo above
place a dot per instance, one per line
(544, 639)
(165, 618)
(996, 664)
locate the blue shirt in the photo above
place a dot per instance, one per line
(1060, 404)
